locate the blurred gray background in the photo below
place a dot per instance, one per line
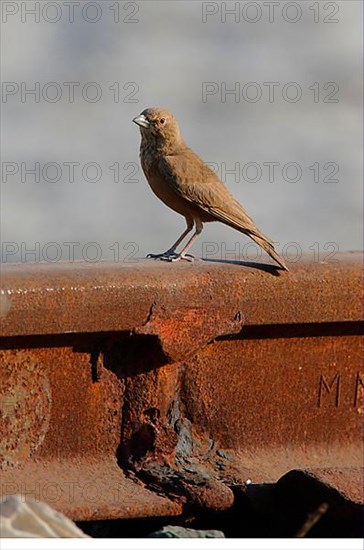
(159, 54)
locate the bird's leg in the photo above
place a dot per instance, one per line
(183, 255)
(171, 252)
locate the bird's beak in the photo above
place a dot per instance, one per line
(141, 121)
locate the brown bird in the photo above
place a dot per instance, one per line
(186, 184)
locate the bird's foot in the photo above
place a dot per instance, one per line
(166, 256)
(186, 257)
(171, 256)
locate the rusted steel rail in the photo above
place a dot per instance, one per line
(132, 390)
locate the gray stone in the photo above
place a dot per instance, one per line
(176, 532)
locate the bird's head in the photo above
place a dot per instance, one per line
(158, 125)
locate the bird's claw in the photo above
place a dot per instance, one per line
(172, 257)
(165, 256)
(187, 257)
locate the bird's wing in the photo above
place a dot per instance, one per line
(197, 183)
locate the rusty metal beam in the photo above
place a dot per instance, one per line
(79, 298)
(133, 390)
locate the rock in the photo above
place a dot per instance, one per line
(176, 532)
(26, 518)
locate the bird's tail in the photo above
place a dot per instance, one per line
(239, 219)
(268, 246)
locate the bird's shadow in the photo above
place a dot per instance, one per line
(273, 270)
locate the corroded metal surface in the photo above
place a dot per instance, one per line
(119, 296)
(176, 383)
(86, 488)
(60, 432)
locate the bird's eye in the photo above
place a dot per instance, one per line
(162, 120)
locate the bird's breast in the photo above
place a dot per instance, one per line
(159, 184)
